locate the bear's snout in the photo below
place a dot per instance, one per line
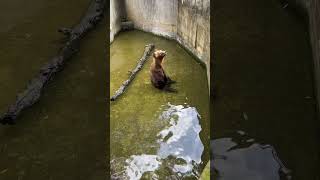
(163, 53)
(159, 54)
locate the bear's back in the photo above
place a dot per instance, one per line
(157, 75)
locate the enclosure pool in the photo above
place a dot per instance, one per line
(50, 139)
(265, 100)
(155, 133)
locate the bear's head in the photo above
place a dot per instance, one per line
(159, 55)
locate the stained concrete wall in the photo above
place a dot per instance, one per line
(156, 16)
(186, 21)
(117, 12)
(312, 9)
(193, 29)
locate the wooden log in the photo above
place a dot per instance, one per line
(32, 93)
(147, 52)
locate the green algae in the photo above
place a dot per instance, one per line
(264, 85)
(134, 121)
(63, 135)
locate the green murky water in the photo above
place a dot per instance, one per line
(264, 91)
(51, 139)
(135, 123)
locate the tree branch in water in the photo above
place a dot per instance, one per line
(147, 51)
(32, 93)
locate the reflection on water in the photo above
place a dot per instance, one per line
(144, 129)
(181, 138)
(138, 165)
(180, 148)
(246, 159)
(264, 85)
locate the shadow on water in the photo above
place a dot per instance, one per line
(51, 139)
(264, 88)
(156, 134)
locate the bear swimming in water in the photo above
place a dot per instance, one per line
(159, 78)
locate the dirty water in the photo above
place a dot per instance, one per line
(243, 158)
(263, 78)
(51, 139)
(156, 134)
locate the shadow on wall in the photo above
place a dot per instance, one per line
(186, 21)
(117, 13)
(311, 8)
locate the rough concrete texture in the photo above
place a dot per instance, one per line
(116, 14)
(193, 29)
(156, 16)
(312, 9)
(187, 21)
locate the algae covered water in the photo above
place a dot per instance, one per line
(264, 93)
(156, 134)
(51, 139)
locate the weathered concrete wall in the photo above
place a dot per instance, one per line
(187, 21)
(312, 9)
(116, 14)
(314, 21)
(156, 16)
(193, 28)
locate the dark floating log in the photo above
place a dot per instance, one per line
(147, 51)
(32, 93)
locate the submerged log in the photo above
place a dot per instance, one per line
(32, 93)
(147, 51)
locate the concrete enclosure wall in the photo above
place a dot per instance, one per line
(156, 16)
(193, 29)
(186, 21)
(116, 14)
(312, 9)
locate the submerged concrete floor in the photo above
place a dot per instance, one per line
(264, 81)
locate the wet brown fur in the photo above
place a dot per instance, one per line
(158, 76)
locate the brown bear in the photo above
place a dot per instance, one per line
(159, 78)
